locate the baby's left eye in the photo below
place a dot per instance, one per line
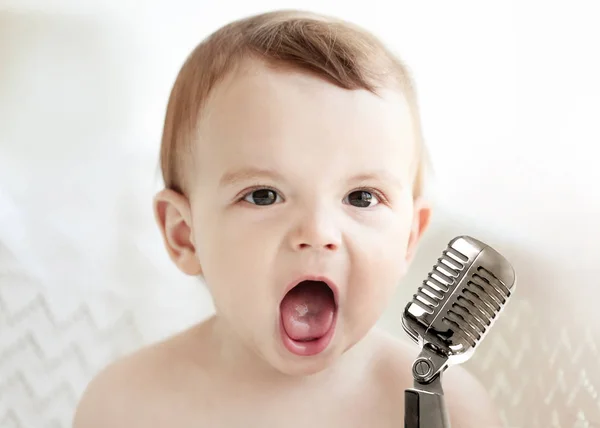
(362, 198)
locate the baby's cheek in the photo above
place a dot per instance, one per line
(376, 273)
(245, 270)
(386, 259)
(371, 289)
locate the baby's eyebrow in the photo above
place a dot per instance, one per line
(247, 173)
(381, 176)
(230, 178)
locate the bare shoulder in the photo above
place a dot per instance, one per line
(394, 361)
(143, 388)
(469, 403)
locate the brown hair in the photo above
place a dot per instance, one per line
(338, 51)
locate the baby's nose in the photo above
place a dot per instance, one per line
(317, 232)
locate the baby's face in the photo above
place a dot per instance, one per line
(296, 178)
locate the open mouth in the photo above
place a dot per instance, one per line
(308, 317)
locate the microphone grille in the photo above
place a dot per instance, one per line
(440, 280)
(480, 301)
(460, 298)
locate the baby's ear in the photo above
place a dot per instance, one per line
(420, 223)
(173, 215)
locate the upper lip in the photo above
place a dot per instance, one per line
(332, 285)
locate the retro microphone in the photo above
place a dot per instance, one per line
(451, 313)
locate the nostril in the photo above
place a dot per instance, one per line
(326, 246)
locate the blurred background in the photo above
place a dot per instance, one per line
(510, 100)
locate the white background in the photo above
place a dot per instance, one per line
(510, 96)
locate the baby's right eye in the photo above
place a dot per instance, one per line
(262, 196)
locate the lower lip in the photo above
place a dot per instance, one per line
(307, 349)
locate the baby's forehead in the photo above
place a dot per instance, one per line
(260, 101)
(296, 122)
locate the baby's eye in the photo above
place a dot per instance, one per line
(262, 197)
(362, 198)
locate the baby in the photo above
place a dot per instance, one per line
(294, 169)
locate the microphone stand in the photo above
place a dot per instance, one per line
(424, 404)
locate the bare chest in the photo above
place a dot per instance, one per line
(352, 408)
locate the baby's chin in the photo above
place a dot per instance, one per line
(298, 366)
(288, 364)
(275, 357)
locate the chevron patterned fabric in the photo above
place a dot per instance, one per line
(540, 372)
(49, 351)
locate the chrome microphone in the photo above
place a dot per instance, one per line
(449, 316)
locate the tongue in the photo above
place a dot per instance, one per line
(307, 311)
